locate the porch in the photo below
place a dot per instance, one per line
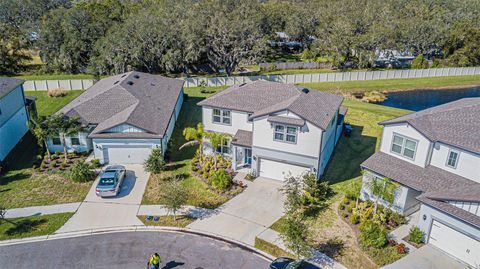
(242, 150)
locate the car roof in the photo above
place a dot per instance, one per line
(107, 174)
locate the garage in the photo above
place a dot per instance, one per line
(278, 170)
(455, 243)
(126, 155)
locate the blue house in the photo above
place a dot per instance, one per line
(13, 114)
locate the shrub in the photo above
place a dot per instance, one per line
(95, 163)
(396, 219)
(59, 92)
(72, 155)
(354, 218)
(341, 206)
(64, 164)
(419, 62)
(81, 172)
(416, 235)
(221, 179)
(401, 248)
(53, 164)
(349, 208)
(55, 156)
(367, 214)
(344, 215)
(373, 234)
(392, 242)
(43, 165)
(155, 163)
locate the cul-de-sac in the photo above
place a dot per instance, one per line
(212, 134)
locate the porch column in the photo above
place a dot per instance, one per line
(234, 158)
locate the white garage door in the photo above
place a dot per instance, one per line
(126, 155)
(278, 170)
(455, 243)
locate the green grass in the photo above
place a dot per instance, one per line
(397, 84)
(47, 105)
(32, 226)
(271, 249)
(181, 222)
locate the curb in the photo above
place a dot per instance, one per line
(139, 228)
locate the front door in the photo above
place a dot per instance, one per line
(248, 156)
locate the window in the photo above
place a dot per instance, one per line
(75, 141)
(285, 133)
(452, 159)
(404, 146)
(222, 116)
(56, 141)
(225, 148)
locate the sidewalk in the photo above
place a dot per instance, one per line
(41, 210)
(160, 210)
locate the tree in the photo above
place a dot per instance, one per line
(296, 234)
(293, 191)
(175, 196)
(155, 163)
(353, 191)
(63, 126)
(42, 132)
(381, 188)
(194, 136)
(217, 140)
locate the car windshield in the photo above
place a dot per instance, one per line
(105, 181)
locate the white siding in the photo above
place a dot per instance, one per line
(124, 128)
(468, 163)
(308, 138)
(471, 207)
(423, 144)
(85, 144)
(100, 144)
(239, 121)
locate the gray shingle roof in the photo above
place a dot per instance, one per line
(139, 99)
(435, 184)
(243, 138)
(286, 120)
(8, 84)
(456, 123)
(264, 97)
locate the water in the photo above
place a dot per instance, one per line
(422, 99)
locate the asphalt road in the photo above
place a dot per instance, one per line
(130, 250)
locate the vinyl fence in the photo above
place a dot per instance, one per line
(293, 65)
(81, 84)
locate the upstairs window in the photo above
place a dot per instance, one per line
(452, 159)
(285, 133)
(56, 141)
(404, 146)
(222, 116)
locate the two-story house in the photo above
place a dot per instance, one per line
(13, 114)
(124, 117)
(277, 129)
(434, 155)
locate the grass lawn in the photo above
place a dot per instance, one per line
(32, 226)
(271, 249)
(182, 221)
(397, 84)
(47, 105)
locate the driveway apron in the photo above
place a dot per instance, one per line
(248, 214)
(96, 212)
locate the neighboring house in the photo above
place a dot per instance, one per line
(124, 116)
(13, 114)
(434, 155)
(277, 128)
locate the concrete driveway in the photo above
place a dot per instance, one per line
(248, 214)
(96, 212)
(427, 257)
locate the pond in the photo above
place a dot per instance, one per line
(422, 99)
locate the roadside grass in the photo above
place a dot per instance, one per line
(271, 249)
(182, 221)
(32, 226)
(396, 84)
(47, 105)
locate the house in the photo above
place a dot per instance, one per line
(124, 117)
(276, 128)
(13, 114)
(434, 156)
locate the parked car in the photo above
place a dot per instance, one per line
(111, 180)
(288, 263)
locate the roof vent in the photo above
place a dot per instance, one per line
(130, 82)
(152, 84)
(305, 90)
(136, 76)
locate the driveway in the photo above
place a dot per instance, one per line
(96, 212)
(248, 214)
(130, 250)
(426, 257)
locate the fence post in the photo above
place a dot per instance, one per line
(34, 85)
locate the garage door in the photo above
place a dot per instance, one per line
(455, 243)
(278, 170)
(126, 155)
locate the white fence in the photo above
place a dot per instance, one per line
(42, 85)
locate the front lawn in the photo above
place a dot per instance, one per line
(32, 226)
(47, 105)
(181, 221)
(271, 249)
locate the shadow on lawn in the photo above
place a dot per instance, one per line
(10, 177)
(24, 226)
(349, 153)
(332, 248)
(174, 166)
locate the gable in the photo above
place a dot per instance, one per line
(124, 128)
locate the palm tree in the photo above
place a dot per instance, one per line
(216, 141)
(194, 136)
(42, 133)
(64, 126)
(381, 188)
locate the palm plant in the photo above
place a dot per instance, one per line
(42, 133)
(216, 141)
(381, 188)
(194, 136)
(64, 126)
